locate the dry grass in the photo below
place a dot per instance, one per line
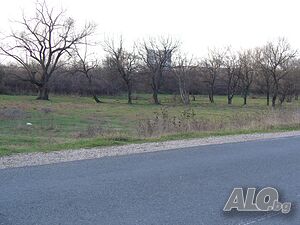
(74, 122)
(163, 124)
(7, 113)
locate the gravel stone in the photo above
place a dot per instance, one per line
(39, 158)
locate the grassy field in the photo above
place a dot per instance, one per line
(68, 122)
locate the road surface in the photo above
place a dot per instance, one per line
(182, 186)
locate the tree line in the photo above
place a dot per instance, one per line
(49, 48)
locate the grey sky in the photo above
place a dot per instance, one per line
(197, 24)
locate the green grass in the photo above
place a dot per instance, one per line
(70, 122)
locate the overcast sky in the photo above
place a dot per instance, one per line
(198, 24)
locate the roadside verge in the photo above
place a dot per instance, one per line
(39, 158)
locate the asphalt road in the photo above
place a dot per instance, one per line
(184, 186)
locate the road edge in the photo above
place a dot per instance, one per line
(40, 158)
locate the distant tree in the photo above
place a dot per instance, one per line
(275, 59)
(44, 41)
(210, 68)
(247, 73)
(289, 85)
(264, 78)
(183, 68)
(123, 61)
(296, 77)
(232, 74)
(86, 64)
(2, 74)
(286, 90)
(156, 55)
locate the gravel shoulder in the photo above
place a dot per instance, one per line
(39, 158)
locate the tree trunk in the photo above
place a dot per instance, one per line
(43, 93)
(229, 96)
(281, 99)
(211, 95)
(229, 100)
(129, 94)
(268, 97)
(245, 95)
(274, 97)
(155, 97)
(185, 97)
(186, 100)
(156, 79)
(245, 99)
(193, 97)
(211, 98)
(97, 100)
(274, 100)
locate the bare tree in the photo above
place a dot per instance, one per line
(123, 61)
(86, 64)
(2, 74)
(156, 55)
(296, 77)
(183, 68)
(264, 79)
(288, 87)
(44, 40)
(247, 72)
(210, 68)
(232, 74)
(275, 62)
